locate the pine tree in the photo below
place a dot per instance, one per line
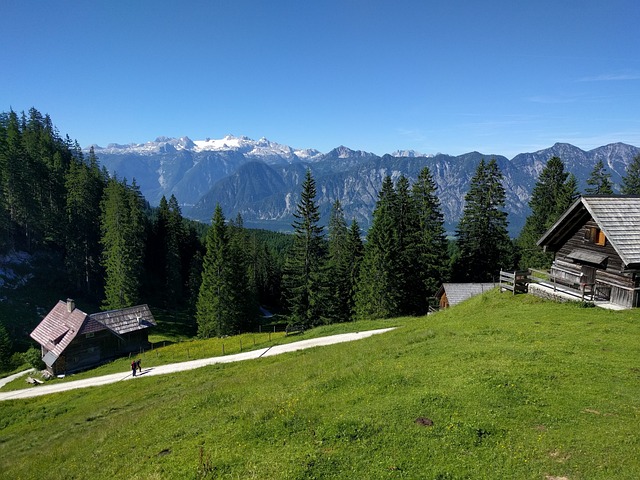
(305, 274)
(631, 181)
(244, 287)
(339, 308)
(379, 286)
(407, 226)
(553, 193)
(482, 238)
(432, 246)
(599, 180)
(355, 247)
(173, 255)
(123, 229)
(84, 186)
(213, 312)
(219, 308)
(5, 347)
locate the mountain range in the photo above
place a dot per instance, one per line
(261, 179)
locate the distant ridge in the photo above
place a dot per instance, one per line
(260, 179)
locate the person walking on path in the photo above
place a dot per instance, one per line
(138, 365)
(133, 367)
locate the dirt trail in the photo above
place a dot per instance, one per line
(182, 366)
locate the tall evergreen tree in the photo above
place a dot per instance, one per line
(244, 287)
(432, 246)
(407, 226)
(631, 180)
(5, 347)
(553, 193)
(174, 239)
(220, 305)
(304, 275)
(211, 313)
(339, 266)
(123, 229)
(84, 186)
(356, 249)
(379, 287)
(482, 237)
(599, 181)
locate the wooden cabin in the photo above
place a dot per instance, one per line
(72, 340)
(450, 294)
(596, 243)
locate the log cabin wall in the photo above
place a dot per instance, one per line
(578, 241)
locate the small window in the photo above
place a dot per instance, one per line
(89, 335)
(595, 235)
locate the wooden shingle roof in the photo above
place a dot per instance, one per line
(618, 216)
(56, 330)
(459, 292)
(126, 320)
(59, 328)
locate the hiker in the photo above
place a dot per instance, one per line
(133, 367)
(138, 365)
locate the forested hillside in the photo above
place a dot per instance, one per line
(69, 229)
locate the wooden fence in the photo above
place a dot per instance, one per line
(515, 281)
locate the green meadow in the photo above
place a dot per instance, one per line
(498, 387)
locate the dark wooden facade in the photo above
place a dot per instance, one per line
(71, 340)
(596, 245)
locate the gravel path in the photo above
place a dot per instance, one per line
(182, 366)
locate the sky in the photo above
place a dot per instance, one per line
(450, 76)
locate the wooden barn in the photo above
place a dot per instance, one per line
(72, 340)
(596, 243)
(450, 294)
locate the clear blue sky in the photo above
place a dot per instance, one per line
(499, 77)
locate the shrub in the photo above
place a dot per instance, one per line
(34, 358)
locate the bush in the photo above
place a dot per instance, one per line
(5, 347)
(34, 358)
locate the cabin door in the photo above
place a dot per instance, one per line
(588, 275)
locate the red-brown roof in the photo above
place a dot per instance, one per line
(59, 328)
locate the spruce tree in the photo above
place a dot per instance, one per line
(123, 230)
(599, 181)
(304, 278)
(432, 245)
(173, 255)
(216, 309)
(355, 247)
(553, 193)
(379, 287)
(631, 181)
(245, 293)
(5, 347)
(407, 226)
(84, 186)
(339, 266)
(481, 236)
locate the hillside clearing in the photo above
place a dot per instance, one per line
(497, 387)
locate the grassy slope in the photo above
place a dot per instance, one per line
(516, 388)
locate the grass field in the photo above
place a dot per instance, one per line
(498, 387)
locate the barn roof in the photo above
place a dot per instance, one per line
(618, 216)
(126, 320)
(59, 328)
(459, 292)
(64, 322)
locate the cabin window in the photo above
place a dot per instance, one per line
(89, 335)
(595, 235)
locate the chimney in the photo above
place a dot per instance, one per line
(71, 305)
